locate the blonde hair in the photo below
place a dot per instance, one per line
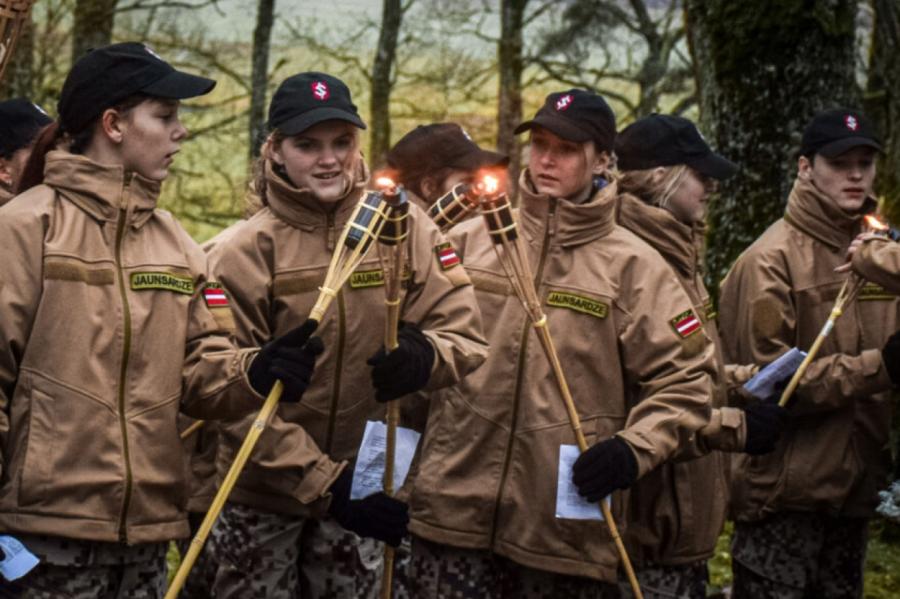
(642, 184)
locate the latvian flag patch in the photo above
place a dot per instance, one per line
(215, 296)
(446, 255)
(686, 324)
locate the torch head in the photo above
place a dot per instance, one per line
(367, 221)
(496, 209)
(395, 227)
(876, 225)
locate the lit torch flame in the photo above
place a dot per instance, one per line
(387, 185)
(875, 224)
(490, 184)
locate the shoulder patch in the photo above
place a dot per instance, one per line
(446, 255)
(215, 296)
(873, 292)
(686, 324)
(578, 303)
(142, 281)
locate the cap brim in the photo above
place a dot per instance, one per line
(713, 165)
(480, 159)
(556, 125)
(302, 122)
(836, 148)
(179, 86)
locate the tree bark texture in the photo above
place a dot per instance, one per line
(763, 69)
(93, 25)
(382, 82)
(19, 77)
(511, 65)
(259, 77)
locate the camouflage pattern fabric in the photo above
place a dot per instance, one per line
(444, 572)
(277, 556)
(200, 581)
(799, 555)
(72, 569)
(669, 582)
(402, 560)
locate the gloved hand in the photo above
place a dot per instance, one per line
(765, 423)
(605, 467)
(404, 370)
(290, 358)
(377, 516)
(890, 354)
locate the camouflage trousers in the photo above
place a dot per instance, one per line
(444, 572)
(199, 582)
(687, 581)
(72, 569)
(278, 556)
(795, 555)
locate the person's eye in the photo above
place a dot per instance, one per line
(343, 143)
(304, 145)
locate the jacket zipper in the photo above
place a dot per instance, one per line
(520, 368)
(339, 360)
(126, 351)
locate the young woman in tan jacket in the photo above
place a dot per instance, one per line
(291, 528)
(111, 326)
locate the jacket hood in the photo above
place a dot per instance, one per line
(820, 217)
(576, 224)
(101, 190)
(676, 241)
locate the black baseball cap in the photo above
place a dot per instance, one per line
(307, 99)
(20, 122)
(576, 115)
(666, 140)
(833, 132)
(106, 76)
(428, 148)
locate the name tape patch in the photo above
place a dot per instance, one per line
(578, 303)
(446, 255)
(686, 324)
(710, 310)
(874, 292)
(215, 296)
(367, 278)
(141, 281)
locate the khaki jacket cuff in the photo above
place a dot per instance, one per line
(646, 458)
(726, 431)
(313, 490)
(247, 357)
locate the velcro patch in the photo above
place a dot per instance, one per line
(686, 324)
(578, 303)
(367, 278)
(874, 292)
(141, 281)
(446, 255)
(215, 296)
(709, 310)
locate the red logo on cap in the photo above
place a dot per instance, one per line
(851, 122)
(564, 102)
(320, 90)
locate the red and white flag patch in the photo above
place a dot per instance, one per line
(686, 324)
(447, 256)
(215, 296)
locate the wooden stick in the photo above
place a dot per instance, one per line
(193, 428)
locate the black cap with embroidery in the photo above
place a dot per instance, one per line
(665, 140)
(576, 115)
(20, 122)
(106, 76)
(428, 148)
(833, 132)
(307, 99)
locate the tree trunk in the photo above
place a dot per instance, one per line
(19, 79)
(763, 69)
(93, 25)
(259, 78)
(382, 71)
(509, 110)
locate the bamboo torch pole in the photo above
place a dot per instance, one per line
(513, 257)
(393, 235)
(356, 239)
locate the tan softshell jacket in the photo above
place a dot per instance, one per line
(104, 336)
(878, 261)
(833, 456)
(272, 267)
(677, 510)
(488, 472)
(5, 196)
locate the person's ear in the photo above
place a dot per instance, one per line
(601, 163)
(5, 172)
(113, 125)
(429, 188)
(272, 151)
(658, 174)
(804, 168)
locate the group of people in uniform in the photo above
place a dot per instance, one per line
(116, 329)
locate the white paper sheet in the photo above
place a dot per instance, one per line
(569, 504)
(17, 560)
(368, 474)
(763, 384)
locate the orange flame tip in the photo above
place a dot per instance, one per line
(491, 184)
(875, 223)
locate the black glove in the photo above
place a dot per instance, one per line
(603, 468)
(890, 354)
(377, 516)
(290, 358)
(765, 423)
(404, 370)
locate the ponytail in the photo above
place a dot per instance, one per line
(33, 173)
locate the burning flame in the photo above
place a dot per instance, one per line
(386, 184)
(490, 184)
(876, 224)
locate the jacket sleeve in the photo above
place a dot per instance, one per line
(21, 245)
(441, 300)
(878, 260)
(671, 375)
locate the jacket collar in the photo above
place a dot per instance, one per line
(819, 216)
(300, 208)
(676, 241)
(101, 190)
(573, 224)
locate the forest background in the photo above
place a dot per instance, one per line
(751, 73)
